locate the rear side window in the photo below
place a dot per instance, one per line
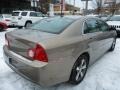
(33, 14)
(53, 25)
(24, 13)
(91, 26)
(15, 13)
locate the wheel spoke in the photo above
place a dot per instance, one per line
(83, 67)
(78, 69)
(82, 62)
(81, 74)
(78, 74)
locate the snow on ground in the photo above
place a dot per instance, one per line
(102, 75)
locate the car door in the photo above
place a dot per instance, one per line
(107, 36)
(94, 34)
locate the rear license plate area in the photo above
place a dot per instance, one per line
(16, 64)
(13, 62)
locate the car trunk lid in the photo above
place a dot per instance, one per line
(20, 41)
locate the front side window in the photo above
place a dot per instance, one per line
(103, 26)
(91, 26)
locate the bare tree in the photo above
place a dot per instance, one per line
(98, 4)
(113, 7)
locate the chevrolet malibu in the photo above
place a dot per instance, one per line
(58, 49)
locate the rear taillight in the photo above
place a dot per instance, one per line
(38, 53)
(6, 41)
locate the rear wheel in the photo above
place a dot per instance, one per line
(113, 45)
(79, 69)
(28, 24)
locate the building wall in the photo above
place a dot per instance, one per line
(7, 6)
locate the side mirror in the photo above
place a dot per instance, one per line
(112, 28)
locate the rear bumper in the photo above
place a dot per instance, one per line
(29, 71)
(45, 74)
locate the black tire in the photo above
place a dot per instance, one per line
(27, 24)
(113, 45)
(77, 74)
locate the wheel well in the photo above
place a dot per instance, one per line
(87, 54)
(27, 22)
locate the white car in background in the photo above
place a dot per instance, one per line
(25, 18)
(6, 18)
(114, 22)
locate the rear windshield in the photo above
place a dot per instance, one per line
(52, 25)
(15, 13)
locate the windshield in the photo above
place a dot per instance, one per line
(52, 25)
(15, 13)
(115, 18)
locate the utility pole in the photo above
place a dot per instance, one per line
(74, 3)
(61, 8)
(74, 7)
(86, 7)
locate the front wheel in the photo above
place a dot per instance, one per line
(79, 69)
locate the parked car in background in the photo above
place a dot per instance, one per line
(6, 18)
(3, 26)
(58, 49)
(26, 18)
(114, 21)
